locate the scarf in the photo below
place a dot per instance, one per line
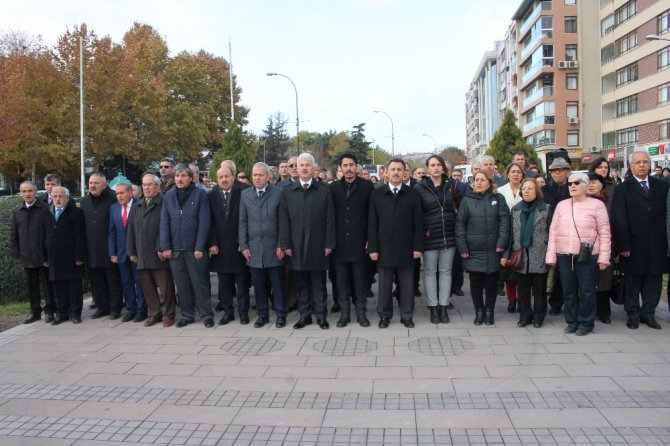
(527, 220)
(183, 194)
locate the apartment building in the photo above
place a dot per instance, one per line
(635, 78)
(481, 108)
(507, 73)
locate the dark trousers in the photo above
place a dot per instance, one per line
(556, 295)
(646, 286)
(311, 281)
(579, 290)
(131, 284)
(345, 272)
(154, 280)
(417, 274)
(260, 278)
(69, 298)
(192, 279)
(38, 278)
(537, 283)
(227, 283)
(290, 288)
(457, 279)
(405, 291)
(106, 289)
(484, 283)
(603, 306)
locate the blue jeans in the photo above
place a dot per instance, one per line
(579, 282)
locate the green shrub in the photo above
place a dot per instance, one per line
(12, 278)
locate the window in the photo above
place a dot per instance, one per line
(663, 94)
(626, 75)
(570, 52)
(664, 58)
(664, 129)
(571, 81)
(573, 138)
(626, 106)
(625, 12)
(572, 109)
(626, 136)
(570, 2)
(571, 24)
(664, 22)
(626, 43)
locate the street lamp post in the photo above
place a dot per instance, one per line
(297, 118)
(655, 37)
(392, 131)
(434, 142)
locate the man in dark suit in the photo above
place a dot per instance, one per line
(102, 273)
(27, 247)
(307, 235)
(227, 260)
(65, 253)
(51, 180)
(142, 245)
(395, 241)
(136, 307)
(639, 209)
(351, 198)
(259, 243)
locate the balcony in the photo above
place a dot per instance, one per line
(534, 69)
(545, 34)
(537, 94)
(537, 122)
(543, 138)
(542, 6)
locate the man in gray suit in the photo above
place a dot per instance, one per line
(259, 243)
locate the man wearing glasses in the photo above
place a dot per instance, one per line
(292, 166)
(639, 230)
(166, 168)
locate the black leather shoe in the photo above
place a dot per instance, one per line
(281, 322)
(76, 320)
(98, 314)
(209, 323)
(335, 308)
(417, 293)
(48, 318)
(511, 307)
(605, 319)
(479, 317)
(93, 306)
(570, 329)
(182, 323)
(128, 317)
(488, 318)
(384, 323)
(58, 321)
(458, 292)
(342, 322)
(450, 306)
(32, 317)
(369, 293)
(225, 319)
(501, 291)
(219, 307)
(582, 332)
(522, 324)
(632, 323)
(407, 323)
(323, 324)
(260, 322)
(537, 324)
(113, 316)
(363, 320)
(244, 319)
(302, 323)
(651, 322)
(140, 317)
(554, 311)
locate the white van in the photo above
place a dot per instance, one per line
(467, 171)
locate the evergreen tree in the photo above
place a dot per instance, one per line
(277, 143)
(507, 141)
(358, 145)
(236, 148)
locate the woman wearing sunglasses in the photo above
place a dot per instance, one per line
(579, 241)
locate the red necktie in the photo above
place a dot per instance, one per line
(124, 215)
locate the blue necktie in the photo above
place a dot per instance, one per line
(58, 212)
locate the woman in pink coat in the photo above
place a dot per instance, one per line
(577, 224)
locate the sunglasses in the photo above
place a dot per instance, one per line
(576, 183)
(242, 177)
(164, 167)
(291, 165)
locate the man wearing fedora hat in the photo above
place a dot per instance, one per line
(555, 192)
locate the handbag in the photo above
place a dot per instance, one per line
(514, 261)
(585, 248)
(618, 289)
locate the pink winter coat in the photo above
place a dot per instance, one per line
(592, 222)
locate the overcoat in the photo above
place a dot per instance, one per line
(225, 230)
(27, 234)
(65, 243)
(532, 258)
(96, 218)
(259, 226)
(143, 232)
(307, 225)
(351, 219)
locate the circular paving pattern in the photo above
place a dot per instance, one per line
(441, 346)
(345, 346)
(252, 346)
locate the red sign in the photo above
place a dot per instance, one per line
(587, 158)
(611, 155)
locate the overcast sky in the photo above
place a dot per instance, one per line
(413, 59)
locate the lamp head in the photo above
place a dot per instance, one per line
(270, 73)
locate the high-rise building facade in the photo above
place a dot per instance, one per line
(481, 105)
(635, 77)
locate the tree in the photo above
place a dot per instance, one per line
(378, 155)
(358, 145)
(507, 141)
(236, 148)
(454, 155)
(276, 142)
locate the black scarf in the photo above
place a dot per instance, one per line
(183, 194)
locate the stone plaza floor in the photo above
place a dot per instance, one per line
(107, 383)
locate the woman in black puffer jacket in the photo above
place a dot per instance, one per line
(482, 235)
(440, 198)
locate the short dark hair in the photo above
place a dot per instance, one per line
(519, 153)
(52, 177)
(441, 161)
(169, 160)
(184, 167)
(396, 160)
(349, 155)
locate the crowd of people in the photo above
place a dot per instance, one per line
(550, 245)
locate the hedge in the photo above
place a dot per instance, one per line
(12, 278)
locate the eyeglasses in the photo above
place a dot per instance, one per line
(291, 165)
(574, 183)
(164, 167)
(241, 177)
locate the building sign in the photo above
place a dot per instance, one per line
(611, 155)
(587, 158)
(653, 150)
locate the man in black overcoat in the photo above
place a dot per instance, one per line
(307, 235)
(351, 198)
(395, 241)
(639, 209)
